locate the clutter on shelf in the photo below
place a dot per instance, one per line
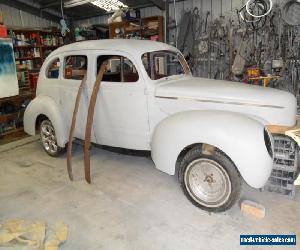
(148, 28)
(27, 50)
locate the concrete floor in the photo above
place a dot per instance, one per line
(130, 204)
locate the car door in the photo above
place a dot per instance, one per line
(50, 81)
(75, 66)
(121, 114)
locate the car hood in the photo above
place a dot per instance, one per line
(265, 103)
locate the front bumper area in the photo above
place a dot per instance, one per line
(292, 132)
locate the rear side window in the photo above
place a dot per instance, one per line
(52, 71)
(118, 69)
(75, 67)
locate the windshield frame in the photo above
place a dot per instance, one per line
(152, 54)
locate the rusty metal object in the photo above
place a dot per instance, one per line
(72, 128)
(89, 123)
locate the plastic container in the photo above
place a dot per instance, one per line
(3, 31)
(33, 80)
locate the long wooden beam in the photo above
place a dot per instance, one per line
(89, 123)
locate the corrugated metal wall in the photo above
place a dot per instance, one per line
(15, 17)
(18, 18)
(216, 7)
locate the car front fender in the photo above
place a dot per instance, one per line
(240, 137)
(44, 105)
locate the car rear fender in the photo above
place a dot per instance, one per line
(44, 105)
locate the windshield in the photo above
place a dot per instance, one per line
(160, 64)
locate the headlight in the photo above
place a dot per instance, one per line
(269, 142)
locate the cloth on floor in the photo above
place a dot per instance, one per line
(29, 235)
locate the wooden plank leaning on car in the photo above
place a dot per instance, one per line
(72, 128)
(89, 122)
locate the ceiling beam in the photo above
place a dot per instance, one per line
(159, 4)
(51, 4)
(150, 4)
(109, 13)
(30, 9)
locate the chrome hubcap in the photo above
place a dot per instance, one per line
(48, 138)
(207, 182)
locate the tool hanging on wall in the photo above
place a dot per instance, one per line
(262, 35)
(291, 12)
(266, 4)
(254, 13)
(64, 27)
(254, 10)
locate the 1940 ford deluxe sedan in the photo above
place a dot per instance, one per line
(209, 133)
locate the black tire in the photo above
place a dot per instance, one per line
(224, 168)
(52, 148)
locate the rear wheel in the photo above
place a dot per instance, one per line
(48, 139)
(211, 182)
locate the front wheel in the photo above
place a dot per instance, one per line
(48, 139)
(211, 182)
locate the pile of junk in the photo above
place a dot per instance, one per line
(257, 44)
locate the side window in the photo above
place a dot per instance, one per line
(75, 67)
(159, 64)
(129, 71)
(118, 69)
(52, 71)
(166, 65)
(112, 71)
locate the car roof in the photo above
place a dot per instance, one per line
(127, 45)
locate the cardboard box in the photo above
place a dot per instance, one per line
(252, 208)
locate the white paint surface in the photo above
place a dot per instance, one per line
(165, 115)
(8, 86)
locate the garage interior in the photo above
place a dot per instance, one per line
(130, 204)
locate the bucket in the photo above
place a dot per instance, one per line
(33, 81)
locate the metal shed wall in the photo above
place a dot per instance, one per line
(17, 18)
(214, 6)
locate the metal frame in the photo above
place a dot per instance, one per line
(31, 9)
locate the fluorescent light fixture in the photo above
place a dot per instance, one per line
(109, 5)
(73, 3)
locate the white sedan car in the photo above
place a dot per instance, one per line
(208, 133)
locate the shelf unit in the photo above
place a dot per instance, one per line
(31, 47)
(148, 28)
(23, 79)
(11, 123)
